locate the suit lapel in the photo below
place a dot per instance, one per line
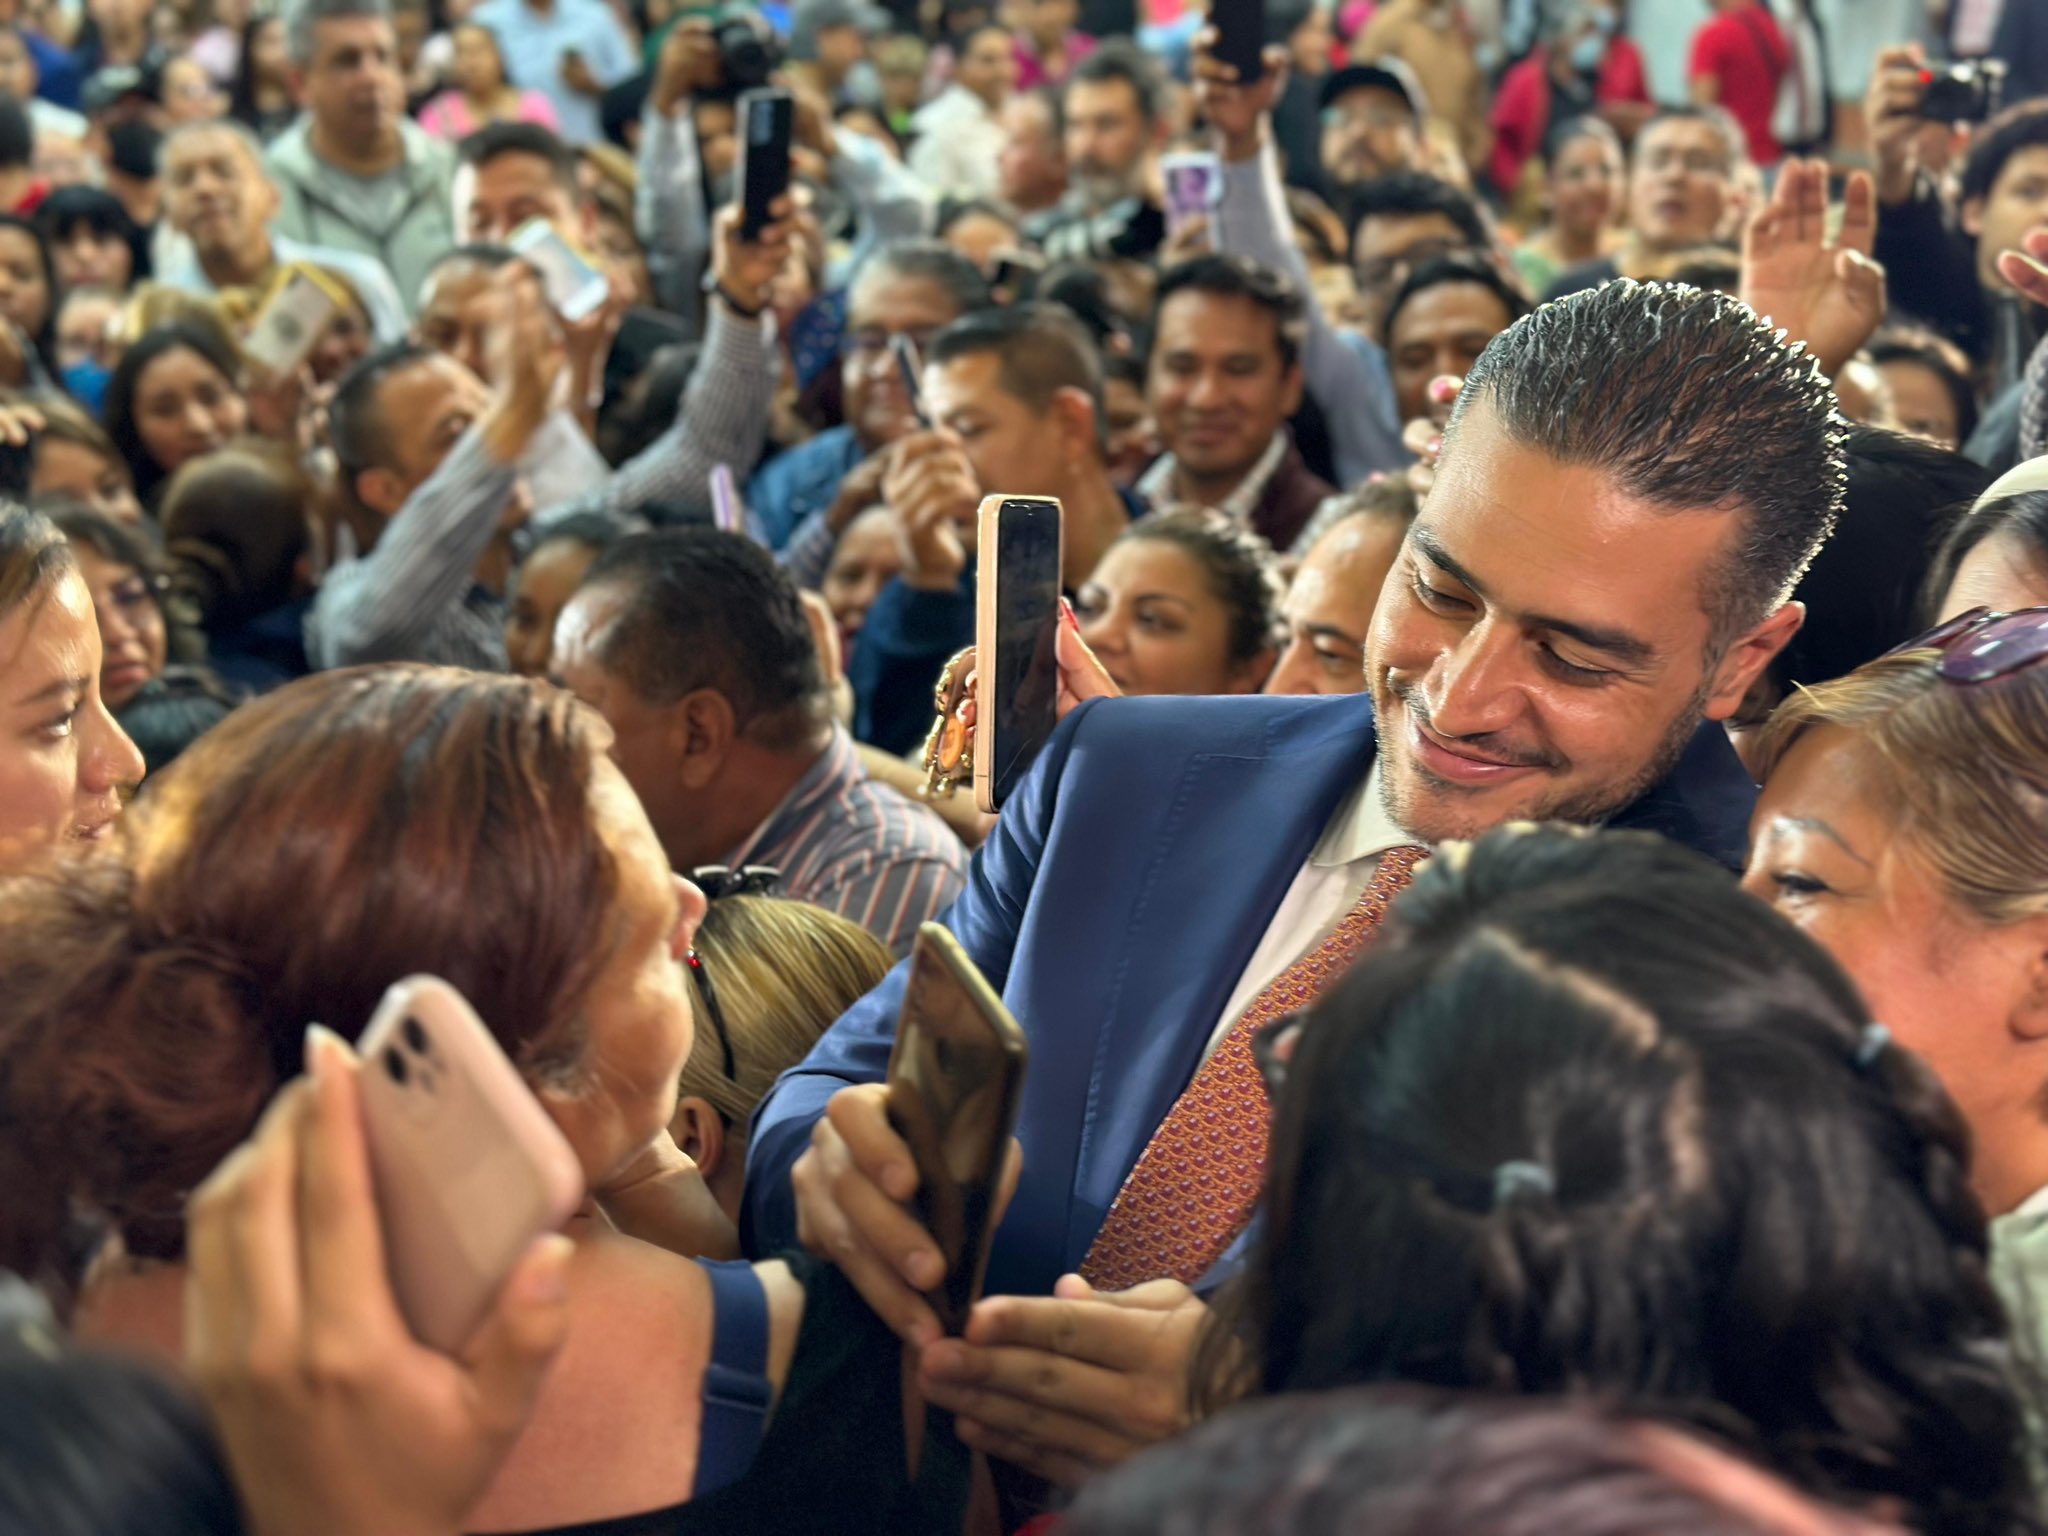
(1237, 832)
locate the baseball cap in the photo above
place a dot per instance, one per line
(1380, 75)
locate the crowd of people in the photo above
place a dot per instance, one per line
(1531, 928)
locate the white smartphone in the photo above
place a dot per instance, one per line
(1194, 186)
(468, 1166)
(575, 286)
(291, 323)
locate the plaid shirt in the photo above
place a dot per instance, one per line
(858, 848)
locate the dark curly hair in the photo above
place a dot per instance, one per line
(1589, 1119)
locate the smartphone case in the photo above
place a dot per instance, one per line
(987, 642)
(469, 1168)
(956, 1078)
(290, 324)
(767, 119)
(576, 288)
(1240, 36)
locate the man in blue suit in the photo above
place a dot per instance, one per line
(1631, 484)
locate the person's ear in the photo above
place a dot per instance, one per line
(382, 491)
(1972, 214)
(700, 1133)
(1747, 658)
(1074, 415)
(1291, 389)
(702, 730)
(1250, 676)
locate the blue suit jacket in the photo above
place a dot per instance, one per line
(1116, 905)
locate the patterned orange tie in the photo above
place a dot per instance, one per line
(1198, 1179)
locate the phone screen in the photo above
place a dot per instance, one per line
(767, 119)
(1020, 684)
(953, 1085)
(575, 288)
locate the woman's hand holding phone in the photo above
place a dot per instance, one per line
(335, 1420)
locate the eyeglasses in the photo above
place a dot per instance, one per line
(717, 882)
(872, 341)
(1981, 646)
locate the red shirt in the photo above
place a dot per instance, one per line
(1744, 50)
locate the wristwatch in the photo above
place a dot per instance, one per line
(718, 290)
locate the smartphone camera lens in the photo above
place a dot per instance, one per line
(416, 1037)
(395, 1067)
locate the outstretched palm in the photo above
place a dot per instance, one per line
(1827, 293)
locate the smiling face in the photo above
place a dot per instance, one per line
(2018, 203)
(1441, 330)
(1540, 649)
(184, 408)
(1152, 618)
(63, 760)
(1219, 387)
(133, 644)
(1828, 852)
(865, 560)
(1330, 605)
(548, 578)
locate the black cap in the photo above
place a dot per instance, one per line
(1381, 75)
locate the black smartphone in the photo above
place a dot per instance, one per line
(767, 121)
(905, 351)
(1016, 633)
(955, 1078)
(1240, 36)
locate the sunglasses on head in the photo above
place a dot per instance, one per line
(1981, 646)
(718, 881)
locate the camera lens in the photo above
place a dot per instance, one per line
(415, 1036)
(394, 1066)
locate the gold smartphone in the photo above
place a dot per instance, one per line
(1016, 634)
(956, 1077)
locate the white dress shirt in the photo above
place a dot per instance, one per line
(1330, 884)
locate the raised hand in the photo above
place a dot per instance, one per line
(746, 269)
(932, 490)
(1237, 112)
(1828, 294)
(688, 64)
(336, 1421)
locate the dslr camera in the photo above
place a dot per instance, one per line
(748, 49)
(1963, 93)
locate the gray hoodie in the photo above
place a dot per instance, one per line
(404, 218)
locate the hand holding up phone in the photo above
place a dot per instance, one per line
(294, 1337)
(527, 358)
(746, 269)
(932, 489)
(1235, 108)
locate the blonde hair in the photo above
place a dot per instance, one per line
(783, 972)
(152, 304)
(1966, 765)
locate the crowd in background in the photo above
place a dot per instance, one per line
(1626, 415)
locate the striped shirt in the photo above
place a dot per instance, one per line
(858, 848)
(415, 596)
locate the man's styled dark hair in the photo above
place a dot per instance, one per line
(1457, 267)
(703, 608)
(1239, 277)
(1410, 194)
(356, 428)
(930, 261)
(1121, 59)
(2018, 127)
(496, 139)
(484, 256)
(1690, 401)
(1040, 350)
